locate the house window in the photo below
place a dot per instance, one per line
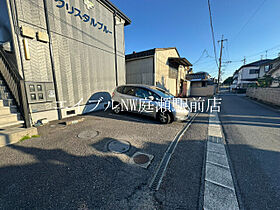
(254, 71)
(267, 68)
(39, 88)
(31, 88)
(40, 96)
(33, 97)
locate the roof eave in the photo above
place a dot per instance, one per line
(117, 11)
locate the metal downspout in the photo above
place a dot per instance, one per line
(115, 48)
(52, 61)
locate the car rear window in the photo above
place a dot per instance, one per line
(128, 90)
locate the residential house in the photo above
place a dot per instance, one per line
(274, 72)
(249, 74)
(201, 84)
(161, 67)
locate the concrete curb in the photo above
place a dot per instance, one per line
(14, 135)
(219, 190)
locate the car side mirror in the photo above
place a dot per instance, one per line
(151, 98)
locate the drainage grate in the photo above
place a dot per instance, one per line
(89, 134)
(215, 139)
(118, 146)
(157, 179)
(155, 184)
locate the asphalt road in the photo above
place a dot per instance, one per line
(252, 133)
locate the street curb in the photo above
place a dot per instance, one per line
(219, 188)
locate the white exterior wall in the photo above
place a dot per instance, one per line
(244, 74)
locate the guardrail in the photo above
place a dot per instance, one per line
(16, 85)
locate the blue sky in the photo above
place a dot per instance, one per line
(251, 27)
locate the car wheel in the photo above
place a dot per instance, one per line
(117, 109)
(164, 117)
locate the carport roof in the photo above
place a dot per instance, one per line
(179, 61)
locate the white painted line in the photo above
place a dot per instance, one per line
(217, 164)
(221, 193)
(219, 184)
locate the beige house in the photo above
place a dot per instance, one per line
(162, 67)
(201, 84)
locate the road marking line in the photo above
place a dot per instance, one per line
(161, 170)
(217, 164)
(212, 194)
(219, 184)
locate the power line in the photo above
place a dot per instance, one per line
(258, 54)
(200, 57)
(211, 61)
(212, 30)
(250, 18)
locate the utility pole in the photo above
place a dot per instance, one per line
(220, 61)
(244, 60)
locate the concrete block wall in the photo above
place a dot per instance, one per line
(269, 95)
(203, 91)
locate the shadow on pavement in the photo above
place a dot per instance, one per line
(56, 179)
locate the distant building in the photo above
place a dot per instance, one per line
(162, 67)
(249, 74)
(201, 84)
(274, 72)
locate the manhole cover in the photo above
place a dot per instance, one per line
(88, 134)
(141, 159)
(118, 146)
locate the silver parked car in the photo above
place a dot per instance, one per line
(149, 100)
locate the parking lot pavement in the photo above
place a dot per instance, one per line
(59, 170)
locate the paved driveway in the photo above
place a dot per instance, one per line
(61, 171)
